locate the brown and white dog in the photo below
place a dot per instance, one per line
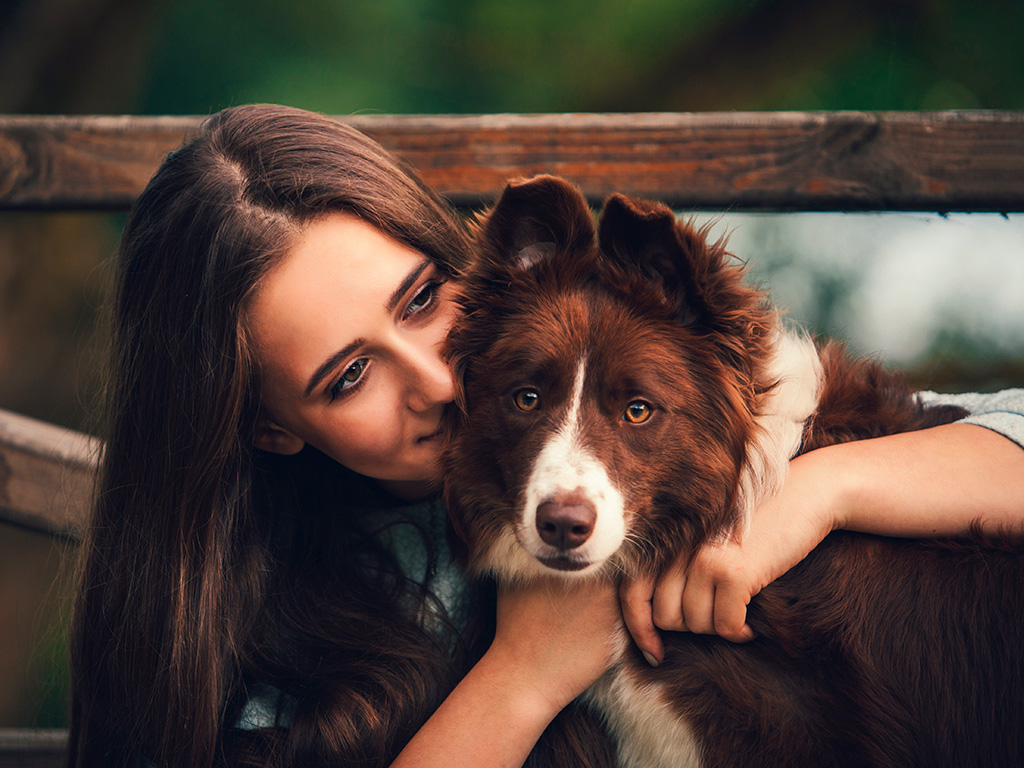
(627, 396)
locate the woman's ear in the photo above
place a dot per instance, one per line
(274, 439)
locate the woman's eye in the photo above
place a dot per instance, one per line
(425, 297)
(637, 412)
(527, 399)
(350, 378)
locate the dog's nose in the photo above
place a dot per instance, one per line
(565, 526)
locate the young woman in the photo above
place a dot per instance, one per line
(265, 581)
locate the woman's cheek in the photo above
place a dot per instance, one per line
(369, 436)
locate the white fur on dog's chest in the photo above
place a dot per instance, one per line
(648, 732)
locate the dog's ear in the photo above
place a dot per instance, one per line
(535, 219)
(644, 238)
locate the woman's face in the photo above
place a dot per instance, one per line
(348, 329)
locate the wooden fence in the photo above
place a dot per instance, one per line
(836, 161)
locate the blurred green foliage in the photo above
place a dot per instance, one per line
(435, 56)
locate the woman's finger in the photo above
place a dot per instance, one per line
(635, 599)
(730, 613)
(698, 602)
(667, 603)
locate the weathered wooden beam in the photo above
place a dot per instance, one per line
(939, 161)
(46, 475)
(33, 747)
(82, 163)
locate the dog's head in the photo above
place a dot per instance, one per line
(610, 378)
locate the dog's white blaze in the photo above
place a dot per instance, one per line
(796, 366)
(564, 467)
(647, 731)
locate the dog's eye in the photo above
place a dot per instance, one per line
(527, 399)
(637, 412)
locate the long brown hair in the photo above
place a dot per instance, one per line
(210, 566)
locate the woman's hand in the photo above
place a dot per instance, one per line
(709, 593)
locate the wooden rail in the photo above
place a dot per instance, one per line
(32, 747)
(46, 475)
(938, 161)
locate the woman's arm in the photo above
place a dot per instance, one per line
(932, 482)
(552, 642)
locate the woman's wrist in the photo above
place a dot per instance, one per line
(821, 483)
(532, 694)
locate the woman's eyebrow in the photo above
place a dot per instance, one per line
(330, 364)
(411, 278)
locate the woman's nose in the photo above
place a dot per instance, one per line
(432, 383)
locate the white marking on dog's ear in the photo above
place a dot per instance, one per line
(532, 255)
(530, 214)
(796, 366)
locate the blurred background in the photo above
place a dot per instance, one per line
(939, 296)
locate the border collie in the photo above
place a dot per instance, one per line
(625, 397)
